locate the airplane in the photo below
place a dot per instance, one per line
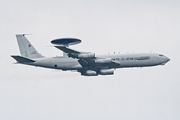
(86, 63)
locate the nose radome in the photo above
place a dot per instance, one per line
(168, 59)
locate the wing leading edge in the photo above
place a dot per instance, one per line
(86, 62)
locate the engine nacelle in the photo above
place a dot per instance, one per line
(107, 60)
(106, 72)
(86, 55)
(89, 73)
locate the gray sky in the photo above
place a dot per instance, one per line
(28, 93)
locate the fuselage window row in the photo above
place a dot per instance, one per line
(137, 58)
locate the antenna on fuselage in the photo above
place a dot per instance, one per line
(66, 42)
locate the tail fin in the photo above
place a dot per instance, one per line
(26, 48)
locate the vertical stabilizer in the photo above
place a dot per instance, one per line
(26, 48)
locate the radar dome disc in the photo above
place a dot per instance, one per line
(66, 41)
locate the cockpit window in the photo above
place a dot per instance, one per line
(161, 55)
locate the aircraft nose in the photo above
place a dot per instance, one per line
(168, 59)
(165, 60)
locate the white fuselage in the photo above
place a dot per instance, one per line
(124, 60)
(87, 63)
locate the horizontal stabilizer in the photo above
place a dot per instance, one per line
(22, 59)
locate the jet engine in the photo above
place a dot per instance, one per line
(89, 73)
(106, 60)
(106, 72)
(86, 55)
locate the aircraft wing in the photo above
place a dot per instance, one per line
(85, 61)
(70, 52)
(67, 50)
(90, 62)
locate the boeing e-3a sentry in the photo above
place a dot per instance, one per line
(86, 63)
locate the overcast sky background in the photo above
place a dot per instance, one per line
(30, 93)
